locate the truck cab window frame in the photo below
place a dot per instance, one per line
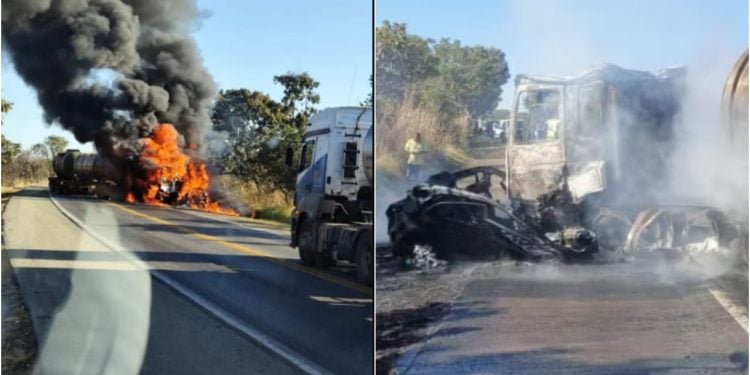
(537, 117)
(307, 154)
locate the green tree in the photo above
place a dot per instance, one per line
(40, 150)
(368, 102)
(439, 87)
(28, 168)
(260, 129)
(469, 79)
(56, 144)
(402, 60)
(6, 106)
(10, 151)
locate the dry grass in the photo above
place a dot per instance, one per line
(19, 185)
(19, 346)
(266, 203)
(396, 125)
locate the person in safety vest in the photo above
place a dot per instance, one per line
(415, 150)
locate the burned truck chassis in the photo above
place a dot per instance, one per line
(455, 221)
(587, 166)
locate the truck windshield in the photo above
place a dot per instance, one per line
(537, 117)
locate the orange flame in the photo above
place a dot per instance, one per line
(130, 198)
(171, 174)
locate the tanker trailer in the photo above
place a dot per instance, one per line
(734, 104)
(729, 226)
(734, 120)
(87, 174)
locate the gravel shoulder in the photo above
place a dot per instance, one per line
(19, 346)
(410, 305)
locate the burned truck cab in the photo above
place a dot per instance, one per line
(580, 144)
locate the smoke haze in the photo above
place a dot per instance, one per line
(564, 38)
(59, 47)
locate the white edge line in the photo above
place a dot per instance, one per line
(736, 311)
(261, 339)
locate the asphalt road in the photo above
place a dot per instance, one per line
(164, 290)
(636, 317)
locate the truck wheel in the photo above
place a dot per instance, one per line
(306, 242)
(364, 260)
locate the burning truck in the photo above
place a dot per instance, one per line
(159, 174)
(127, 77)
(585, 173)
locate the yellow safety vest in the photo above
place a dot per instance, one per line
(415, 150)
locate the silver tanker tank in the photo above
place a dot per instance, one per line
(72, 164)
(734, 113)
(93, 167)
(63, 164)
(78, 173)
(734, 104)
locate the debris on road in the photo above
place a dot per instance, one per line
(424, 258)
(449, 219)
(411, 300)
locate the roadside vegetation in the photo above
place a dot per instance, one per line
(437, 88)
(259, 130)
(25, 167)
(19, 346)
(267, 204)
(249, 160)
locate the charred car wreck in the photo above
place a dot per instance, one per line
(468, 220)
(584, 174)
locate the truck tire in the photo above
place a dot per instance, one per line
(364, 260)
(306, 242)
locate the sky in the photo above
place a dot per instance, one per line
(568, 36)
(244, 44)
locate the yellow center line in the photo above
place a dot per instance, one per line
(250, 251)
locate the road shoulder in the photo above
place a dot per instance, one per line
(19, 346)
(113, 318)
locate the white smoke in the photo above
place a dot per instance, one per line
(707, 168)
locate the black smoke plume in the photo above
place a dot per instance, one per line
(60, 47)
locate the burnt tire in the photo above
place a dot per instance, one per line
(364, 260)
(306, 242)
